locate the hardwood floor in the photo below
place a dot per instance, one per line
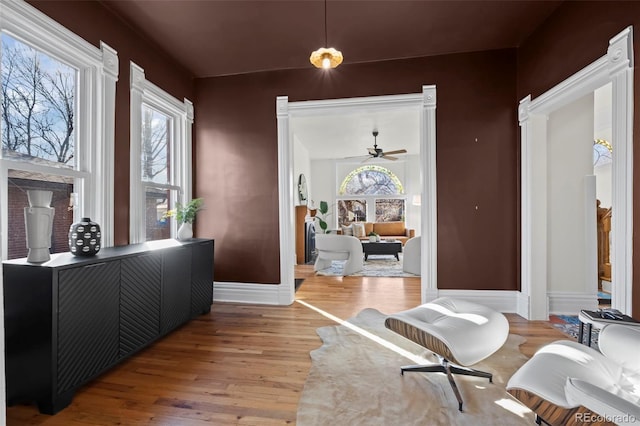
(240, 364)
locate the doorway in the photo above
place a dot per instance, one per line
(615, 67)
(425, 104)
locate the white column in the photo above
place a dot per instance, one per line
(105, 157)
(620, 62)
(136, 226)
(532, 299)
(187, 172)
(429, 210)
(286, 289)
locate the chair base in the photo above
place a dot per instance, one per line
(449, 369)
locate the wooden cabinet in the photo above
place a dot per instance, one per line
(301, 213)
(72, 318)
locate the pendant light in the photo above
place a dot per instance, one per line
(326, 57)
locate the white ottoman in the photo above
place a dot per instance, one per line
(459, 332)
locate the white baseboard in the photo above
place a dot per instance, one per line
(570, 303)
(262, 294)
(560, 303)
(522, 305)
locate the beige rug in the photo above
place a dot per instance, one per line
(355, 380)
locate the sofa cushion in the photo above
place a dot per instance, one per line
(347, 230)
(389, 228)
(358, 229)
(368, 228)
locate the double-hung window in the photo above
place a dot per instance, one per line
(160, 158)
(58, 104)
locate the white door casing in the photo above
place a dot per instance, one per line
(426, 102)
(615, 67)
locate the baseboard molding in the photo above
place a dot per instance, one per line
(502, 301)
(277, 294)
(570, 303)
(262, 294)
(522, 305)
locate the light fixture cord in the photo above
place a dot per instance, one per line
(326, 44)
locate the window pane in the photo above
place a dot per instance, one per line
(371, 180)
(352, 211)
(601, 153)
(156, 205)
(391, 210)
(155, 149)
(38, 106)
(18, 184)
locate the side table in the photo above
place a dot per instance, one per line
(590, 323)
(599, 319)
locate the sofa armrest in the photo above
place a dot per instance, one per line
(409, 232)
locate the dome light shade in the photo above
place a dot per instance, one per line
(326, 58)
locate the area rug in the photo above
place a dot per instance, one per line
(355, 380)
(570, 325)
(375, 266)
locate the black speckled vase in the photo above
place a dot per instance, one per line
(84, 238)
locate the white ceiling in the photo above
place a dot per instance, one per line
(336, 136)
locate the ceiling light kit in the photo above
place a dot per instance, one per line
(326, 57)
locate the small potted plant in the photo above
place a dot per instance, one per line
(185, 214)
(322, 218)
(373, 237)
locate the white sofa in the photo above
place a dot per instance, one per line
(566, 382)
(339, 247)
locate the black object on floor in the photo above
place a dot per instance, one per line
(298, 282)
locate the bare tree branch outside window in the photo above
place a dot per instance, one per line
(38, 103)
(155, 145)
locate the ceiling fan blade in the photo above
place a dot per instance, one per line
(397, 151)
(356, 156)
(372, 151)
(367, 159)
(388, 157)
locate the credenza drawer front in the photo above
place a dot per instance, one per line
(88, 322)
(201, 278)
(176, 289)
(139, 302)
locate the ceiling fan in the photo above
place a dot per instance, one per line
(376, 152)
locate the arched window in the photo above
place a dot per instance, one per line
(374, 188)
(602, 150)
(371, 180)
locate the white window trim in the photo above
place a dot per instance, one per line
(98, 69)
(143, 91)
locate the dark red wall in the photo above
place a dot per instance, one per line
(236, 141)
(91, 21)
(574, 36)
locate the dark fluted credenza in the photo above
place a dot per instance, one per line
(72, 318)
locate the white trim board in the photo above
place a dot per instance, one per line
(569, 303)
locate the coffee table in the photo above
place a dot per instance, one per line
(383, 247)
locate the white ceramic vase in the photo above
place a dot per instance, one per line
(38, 221)
(185, 232)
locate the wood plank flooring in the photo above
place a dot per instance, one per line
(240, 364)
